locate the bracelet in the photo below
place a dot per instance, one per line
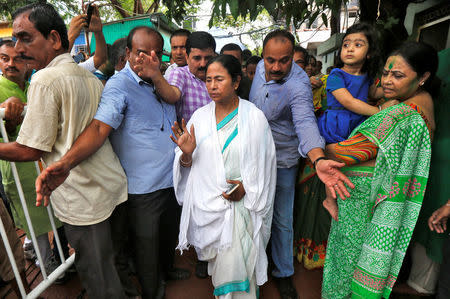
(185, 164)
(317, 160)
(379, 107)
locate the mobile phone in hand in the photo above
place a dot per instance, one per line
(90, 10)
(231, 189)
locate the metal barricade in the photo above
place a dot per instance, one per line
(65, 264)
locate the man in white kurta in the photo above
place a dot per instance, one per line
(232, 236)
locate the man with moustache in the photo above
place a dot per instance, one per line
(178, 49)
(62, 100)
(281, 89)
(13, 66)
(138, 124)
(13, 89)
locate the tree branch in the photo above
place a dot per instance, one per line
(119, 8)
(154, 7)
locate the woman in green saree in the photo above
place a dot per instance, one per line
(388, 158)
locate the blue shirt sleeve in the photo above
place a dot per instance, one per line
(335, 80)
(305, 122)
(112, 103)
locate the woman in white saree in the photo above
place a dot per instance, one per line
(232, 145)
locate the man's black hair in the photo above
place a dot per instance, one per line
(300, 49)
(253, 60)
(45, 19)
(246, 54)
(180, 32)
(118, 49)
(200, 40)
(279, 33)
(147, 30)
(8, 43)
(231, 47)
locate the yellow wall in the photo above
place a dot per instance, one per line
(5, 32)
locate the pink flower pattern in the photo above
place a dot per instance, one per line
(394, 190)
(412, 188)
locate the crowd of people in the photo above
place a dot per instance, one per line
(249, 160)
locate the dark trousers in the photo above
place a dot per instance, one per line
(94, 259)
(150, 223)
(444, 275)
(64, 244)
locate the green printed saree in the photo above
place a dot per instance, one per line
(367, 245)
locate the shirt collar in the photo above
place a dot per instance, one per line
(62, 58)
(186, 67)
(138, 79)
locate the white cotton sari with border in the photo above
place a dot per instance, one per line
(231, 236)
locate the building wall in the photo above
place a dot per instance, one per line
(118, 29)
(5, 30)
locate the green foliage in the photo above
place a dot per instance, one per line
(293, 12)
(389, 23)
(242, 26)
(66, 8)
(177, 9)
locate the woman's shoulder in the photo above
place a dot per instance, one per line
(423, 103)
(254, 113)
(201, 112)
(250, 107)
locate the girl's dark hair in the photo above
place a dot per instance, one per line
(372, 64)
(230, 63)
(421, 57)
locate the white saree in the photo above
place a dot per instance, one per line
(231, 236)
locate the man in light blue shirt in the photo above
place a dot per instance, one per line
(138, 125)
(282, 91)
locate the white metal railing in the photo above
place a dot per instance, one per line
(65, 264)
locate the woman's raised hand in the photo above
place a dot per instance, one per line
(182, 137)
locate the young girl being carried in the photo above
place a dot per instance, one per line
(348, 88)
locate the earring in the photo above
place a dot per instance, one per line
(421, 83)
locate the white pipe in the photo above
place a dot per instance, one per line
(24, 204)
(12, 259)
(52, 221)
(51, 278)
(65, 264)
(55, 233)
(2, 112)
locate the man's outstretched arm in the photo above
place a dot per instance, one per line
(329, 173)
(89, 141)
